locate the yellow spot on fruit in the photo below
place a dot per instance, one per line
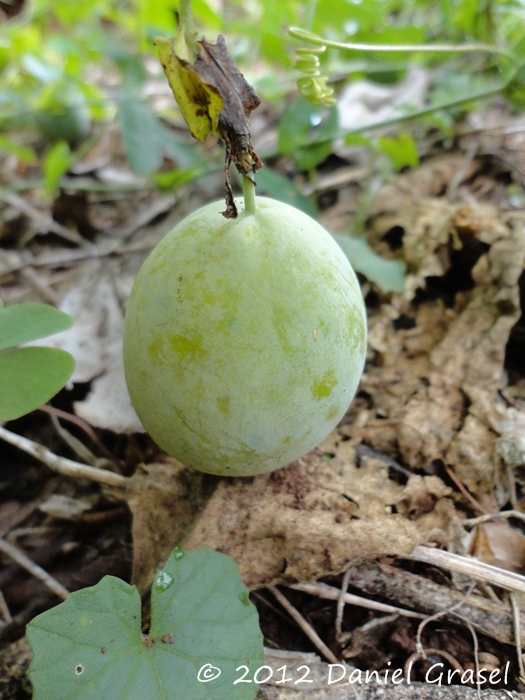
(332, 412)
(324, 386)
(187, 347)
(224, 405)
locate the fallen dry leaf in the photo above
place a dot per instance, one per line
(95, 340)
(499, 544)
(435, 379)
(164, 500)
(307, 520)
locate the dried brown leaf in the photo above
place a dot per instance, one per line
(499, 544)
(216, 67)
(434, 386)
(315, 517)
(164, 500)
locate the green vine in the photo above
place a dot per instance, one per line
(313, 86)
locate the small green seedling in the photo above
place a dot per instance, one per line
(203, 629)
(29, 377)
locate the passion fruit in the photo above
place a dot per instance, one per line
(244, 339)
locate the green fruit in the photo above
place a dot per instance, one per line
(244, 339)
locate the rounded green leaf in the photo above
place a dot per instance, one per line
(91, 646)
(29, 377)
(22, 323)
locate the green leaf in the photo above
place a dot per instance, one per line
(280, 187)
(186, 155)
(91, 646)
(56, 162)
(358, 140)
(308, 157)
(29, 377)
(39, 69)
(307, 131)
(401, 151)
(23, 153)
(171, 179)
(130, 64)
(22, 323)
(142, 135)
(388, 275)
(295, 126)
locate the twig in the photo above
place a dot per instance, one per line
(464, 491)
(476, 655)
(304, 625)
(35, 279)
(365, 629)
(471, 567)
(6, 613)
(61, 464)
(272, 607)
(513, 498)
(423, 654)
(43, 221)
(81, 423)
(81, 451)
(490, 593)
(37, 571)
(441, 613)
(492, 516)
(323, 590)
(397, 586)
(517, 634)
(341, 604)
(460, 173)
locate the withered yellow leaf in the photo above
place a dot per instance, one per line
(199, 102)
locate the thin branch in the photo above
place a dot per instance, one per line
(441, 613)
(423, 654)
(464, 491)
(323, 590)
(471, 567)
(517, 634)
(492, 516)
(42, 221)
(81, 423)
(476, 655)
(373, 624)
(61, 464)
(37, 571)
(304, 625)
(341, 604)
(4, 609)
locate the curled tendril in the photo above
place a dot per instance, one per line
(313, 85)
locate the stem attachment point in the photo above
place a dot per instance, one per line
(248, 190)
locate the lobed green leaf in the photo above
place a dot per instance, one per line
(91, 646)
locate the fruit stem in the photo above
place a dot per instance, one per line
(248, 190)
(187, 22)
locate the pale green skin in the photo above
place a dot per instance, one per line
(244, 339)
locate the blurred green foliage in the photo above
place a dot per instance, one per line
(29, 377)
(70, 70)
